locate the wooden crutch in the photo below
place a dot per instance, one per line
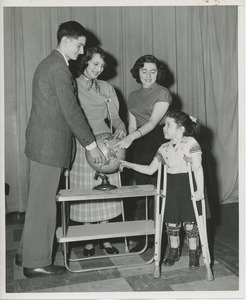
(202, 227)
(161, 193)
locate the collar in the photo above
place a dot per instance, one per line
(149, 88)
(63, 56)
(86, 77)
(90, 82)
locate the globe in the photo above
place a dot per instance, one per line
(106, 142)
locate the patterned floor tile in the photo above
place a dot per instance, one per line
(227, 283)
(137, 263)
(113, 285)
(138, 280)
(146, 282)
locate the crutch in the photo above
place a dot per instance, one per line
(161, 193)
(123, 214)
(202, 227)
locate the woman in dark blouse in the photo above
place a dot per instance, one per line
(147, 107)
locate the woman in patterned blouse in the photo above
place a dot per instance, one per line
(100, 105)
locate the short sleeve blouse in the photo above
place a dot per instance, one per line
(173, 155)
(141, 102)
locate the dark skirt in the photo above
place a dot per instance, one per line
(145, 150)
(179, 207)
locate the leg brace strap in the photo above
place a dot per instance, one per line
(173, 229)
(191, 229)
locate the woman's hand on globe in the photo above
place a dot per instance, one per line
(125, 142)
(120, 131)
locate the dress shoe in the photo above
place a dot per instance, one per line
(18, 259)
(110, 250)
(89, 252)
(193, 259)
(44, 271)
(139, 247)
(172, 256)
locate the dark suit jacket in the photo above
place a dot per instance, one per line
(55, 115)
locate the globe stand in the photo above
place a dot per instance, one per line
(105, 184)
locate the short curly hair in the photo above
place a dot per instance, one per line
(148, 58)
(88, 56)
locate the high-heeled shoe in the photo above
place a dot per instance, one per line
(110, 250)
(89, 252)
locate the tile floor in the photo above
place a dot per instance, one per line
(137, 281)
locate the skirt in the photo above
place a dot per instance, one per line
(179, 207)
(82, 177)
(145, 150)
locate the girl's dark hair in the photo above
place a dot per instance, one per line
(182, 119)
(88, 56)
(140, 63)
(70, 29)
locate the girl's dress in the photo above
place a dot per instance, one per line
(99, 104)
(179, 207)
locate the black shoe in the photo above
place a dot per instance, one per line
(44, 271)
(139, 247)
(193, 259)
(109, 250)
(18, 259)
(172, 256)
(89, 252)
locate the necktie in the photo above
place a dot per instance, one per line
(90, 83)
(74, 83)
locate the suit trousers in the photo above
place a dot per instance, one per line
(40, 220)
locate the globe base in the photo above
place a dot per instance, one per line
(105, 184)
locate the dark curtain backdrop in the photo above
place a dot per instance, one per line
(198, 46)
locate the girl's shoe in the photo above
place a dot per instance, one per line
(172, 256)
(193, 259)
(110, 250)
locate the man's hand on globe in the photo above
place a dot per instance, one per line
(97, 156)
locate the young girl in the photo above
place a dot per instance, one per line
(182, 148)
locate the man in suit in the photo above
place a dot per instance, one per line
(55, 118)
